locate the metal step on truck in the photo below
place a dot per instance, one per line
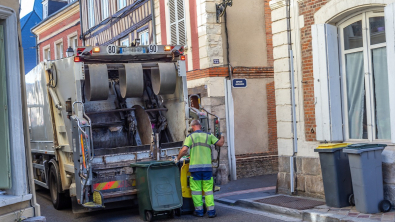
(93, 114)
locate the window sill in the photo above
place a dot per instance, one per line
(387, 142)
(6, 200)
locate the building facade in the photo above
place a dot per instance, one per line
(117, 22)
(28, 39)
(17, 193)
(216, 54)
(59, 31)
(341, 64)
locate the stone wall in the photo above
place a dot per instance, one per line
(256, 164)
(308, 179)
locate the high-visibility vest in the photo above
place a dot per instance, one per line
(200, 153)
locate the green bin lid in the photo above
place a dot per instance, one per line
(152, 163)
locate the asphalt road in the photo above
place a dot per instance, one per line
(225, 213)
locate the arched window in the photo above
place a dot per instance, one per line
(363, 59)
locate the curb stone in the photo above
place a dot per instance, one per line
(310, 215)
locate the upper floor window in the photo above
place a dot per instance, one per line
(125, 41)
(91, 13)
(73, 42)
(144, 37)
(365, 77)
(59, 50)
(177, 22)
(47, 53)
(104, 9)
(121, 4)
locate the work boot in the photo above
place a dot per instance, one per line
(198, 213)
(211, 213)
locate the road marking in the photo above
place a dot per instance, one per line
(258, 212)
(245, 191)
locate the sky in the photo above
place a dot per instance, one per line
(27, 6)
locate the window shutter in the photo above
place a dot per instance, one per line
(177, 22)
(181, 22)
(5, 168)
(327, 92)
(389, 11)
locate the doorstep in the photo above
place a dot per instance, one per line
(311, 208)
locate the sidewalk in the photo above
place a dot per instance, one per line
(259, 193)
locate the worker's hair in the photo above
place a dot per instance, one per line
(195, 122)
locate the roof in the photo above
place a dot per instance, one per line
(25, 18)
(38, 8)
(54, 14)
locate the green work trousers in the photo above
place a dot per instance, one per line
(199, 182)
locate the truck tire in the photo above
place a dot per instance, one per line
(59, 200)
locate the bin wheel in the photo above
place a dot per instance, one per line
(148, 216)
(351, 200)
(172, 214)
(177, 212)
(385, 206)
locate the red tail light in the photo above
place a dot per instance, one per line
(77, 59)
(182, 58)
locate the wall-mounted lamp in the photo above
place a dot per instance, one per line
(69, 51)
(220, 8)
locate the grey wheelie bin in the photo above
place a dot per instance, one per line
(367, 177)
(335, 174)
(159, 188)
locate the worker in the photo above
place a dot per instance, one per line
(200, 167)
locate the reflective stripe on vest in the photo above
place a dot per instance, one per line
(200, 154)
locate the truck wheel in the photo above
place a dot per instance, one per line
(59, 200)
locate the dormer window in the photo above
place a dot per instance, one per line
(45, 9)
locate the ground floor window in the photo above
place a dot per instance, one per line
(365, 77)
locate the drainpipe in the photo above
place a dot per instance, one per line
(153, 22)
(82, 37)
(294, 127)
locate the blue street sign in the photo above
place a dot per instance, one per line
(216, 61)
(239, 83)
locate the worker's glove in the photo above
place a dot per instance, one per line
(176, 161)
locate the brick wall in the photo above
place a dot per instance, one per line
(307, 9)
(268, 27)
(62, 35)
(237, 72)
(209, 72)
(256, 164)
(271, 116)
(253, 72)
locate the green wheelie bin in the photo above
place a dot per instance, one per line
(159, 188)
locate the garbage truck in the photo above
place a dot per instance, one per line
(93, 114)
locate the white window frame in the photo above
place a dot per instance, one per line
(91, 13)
(45, 54)
(104, 9)
(141, 33)
(368, 79)
(121, 4)
(125, 40)
(55, 44)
